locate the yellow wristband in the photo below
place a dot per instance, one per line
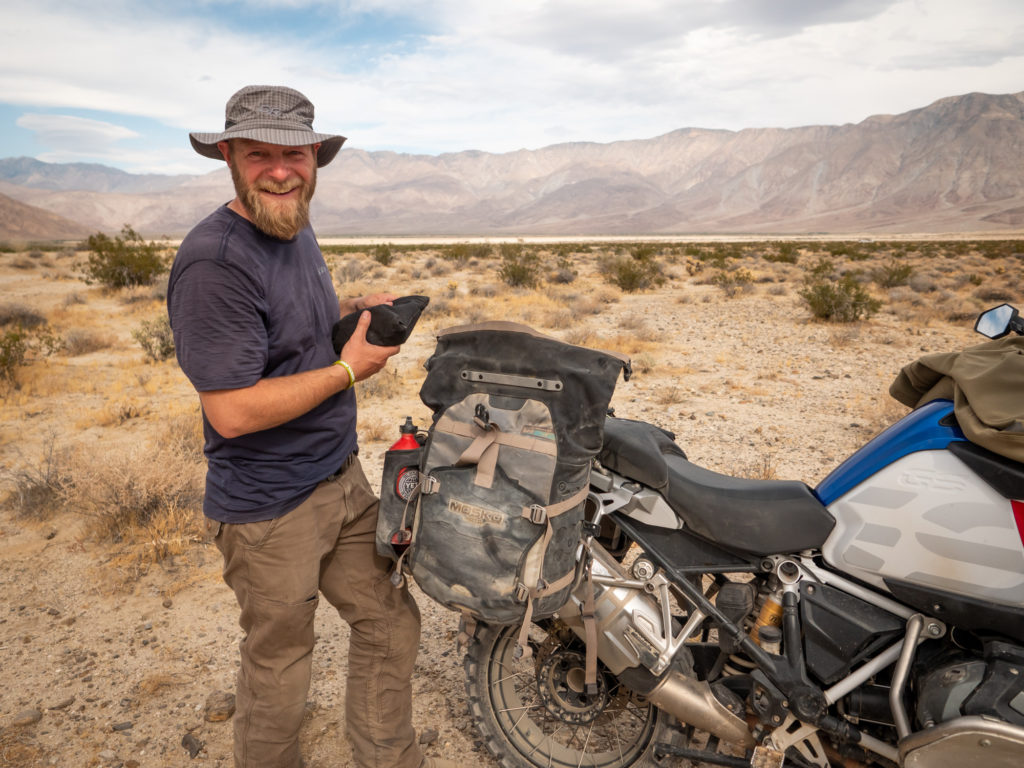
(351, 375)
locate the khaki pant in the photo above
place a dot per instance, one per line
(276, 569)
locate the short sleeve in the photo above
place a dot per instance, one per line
(218, 318)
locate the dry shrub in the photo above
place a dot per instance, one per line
(843, 336)
(383, 385)
(82, 342)
(158, 681)
(116, 413)
(182, 433)
(762, 468)
(558, 318)
(73, 299)
(644, 363)
(37, 488)
(670, 395)
(580, 335)
(637, 326)
(21, 316)
(374, 429)
(139, 495)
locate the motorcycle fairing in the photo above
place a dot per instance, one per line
(929, 520)
(930, 427)
(763, 517)
(841, 631)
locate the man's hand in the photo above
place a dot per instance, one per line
(365, 358)
(359, 303)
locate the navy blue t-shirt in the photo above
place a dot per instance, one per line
(245, 306)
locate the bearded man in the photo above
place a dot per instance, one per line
(252, 305)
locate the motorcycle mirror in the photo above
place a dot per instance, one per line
(999, 321)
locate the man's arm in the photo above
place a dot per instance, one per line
(271, 402)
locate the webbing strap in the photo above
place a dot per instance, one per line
(483, 452)
(539, 514)
(527, 443)
(523, 649)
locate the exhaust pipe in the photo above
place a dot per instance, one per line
(693, 702)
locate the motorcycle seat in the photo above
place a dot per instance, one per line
(762, 517)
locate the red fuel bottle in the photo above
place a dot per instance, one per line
(407, 442)
(406, 481)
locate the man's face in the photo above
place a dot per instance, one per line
(274, 183)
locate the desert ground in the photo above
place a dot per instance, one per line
(118, 640)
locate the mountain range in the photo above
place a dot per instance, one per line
(954, 166)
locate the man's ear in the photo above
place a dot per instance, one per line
(225, 149)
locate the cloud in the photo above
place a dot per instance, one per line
(67, 133)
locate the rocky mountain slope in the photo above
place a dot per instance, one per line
(956, 165)
(23, 223)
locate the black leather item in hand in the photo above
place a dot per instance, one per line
(390, 324)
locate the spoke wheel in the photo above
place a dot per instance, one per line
(535, 713)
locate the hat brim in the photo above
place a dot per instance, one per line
(206, 143)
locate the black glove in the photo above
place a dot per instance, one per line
(390, 324)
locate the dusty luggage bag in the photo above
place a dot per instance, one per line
(504, 476)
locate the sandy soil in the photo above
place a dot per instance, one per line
(100, 669)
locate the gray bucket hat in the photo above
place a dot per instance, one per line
(273, 114)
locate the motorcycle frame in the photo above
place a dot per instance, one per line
(785, 672)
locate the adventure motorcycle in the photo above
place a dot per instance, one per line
(875, 620)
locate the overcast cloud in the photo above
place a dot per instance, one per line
(124, 84)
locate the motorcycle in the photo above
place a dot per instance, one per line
(875, 620)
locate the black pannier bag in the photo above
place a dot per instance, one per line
(503, 478)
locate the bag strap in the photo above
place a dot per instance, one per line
(540, 513)
(483, 451)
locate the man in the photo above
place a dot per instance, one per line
(252, 305)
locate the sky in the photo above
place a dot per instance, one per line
(121, 83)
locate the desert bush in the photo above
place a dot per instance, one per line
(130, 494)
(382, 254)
(124, 261)
(839, 299)
(520, 267)
(72, 299)
(483, 290)
(18, 346)
(156, 338)
(182, 434)
(733, 281)
(784, 253)
(994, 293)
(564, 272)
(893, 273)
(638, 271)
(349, 272)
(13, 349)
(37, 489)
(923, 284)
(384, 385)
(21, 316)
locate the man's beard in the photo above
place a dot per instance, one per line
(283, 219)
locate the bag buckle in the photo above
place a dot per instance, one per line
(538, 514)
(522, 593)
(429, 484)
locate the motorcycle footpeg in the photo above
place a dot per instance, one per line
(766, 757)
